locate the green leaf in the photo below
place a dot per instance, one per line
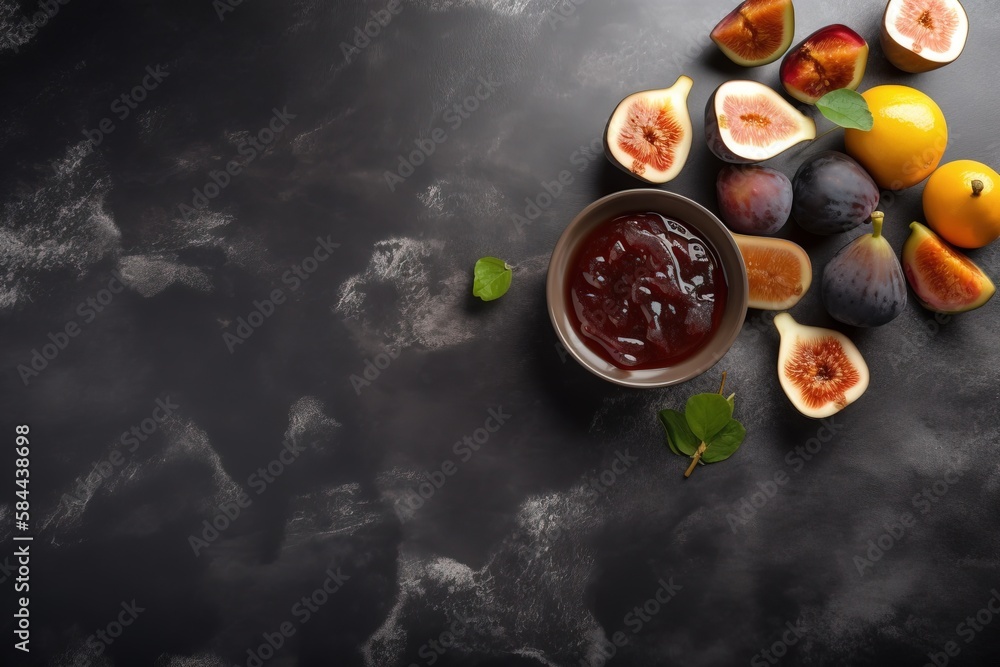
(679, 436)
(492, 278)
(706, 415)
(725, 443)
(846, 108)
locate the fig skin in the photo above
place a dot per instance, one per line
(832, 193)
(753, 199)
(906, 59)
(924, 252)
(832, 372)
(863, 285)
(748, 11)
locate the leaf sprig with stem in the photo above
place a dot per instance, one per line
(706, 430)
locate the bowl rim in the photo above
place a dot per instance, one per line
(555, 284)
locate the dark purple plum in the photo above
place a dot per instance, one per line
(752, 199)
(832, 194)
(863, 285)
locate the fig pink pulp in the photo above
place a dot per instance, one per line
(646, 292)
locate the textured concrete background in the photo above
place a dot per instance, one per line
(558, 513)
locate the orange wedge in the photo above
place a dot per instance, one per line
(778, 271)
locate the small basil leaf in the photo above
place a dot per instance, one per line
(725, 443)
(492, 278)
(706, 415)
(679, 436)
(846, 108)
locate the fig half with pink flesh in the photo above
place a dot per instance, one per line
(649, 133)
(746, 122)
(821, 370)
(923, 35)
(757, 32)
(831, 58)
(944, 280)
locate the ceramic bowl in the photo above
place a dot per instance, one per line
(699, 220)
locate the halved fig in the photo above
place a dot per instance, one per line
(944, 280)
(779, 272)
(757, 32)
(831, 58)
(821, 370)
(921, 35)
(649, 133)
(746, 122)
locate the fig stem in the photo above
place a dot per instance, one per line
(877, 218)
(723, 385)
(694, 459)
(977, 187)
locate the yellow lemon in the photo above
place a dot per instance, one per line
(962, 203)
(907, 141)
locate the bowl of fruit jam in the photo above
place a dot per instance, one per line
(647, 288)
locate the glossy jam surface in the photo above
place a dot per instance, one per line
(646, 292)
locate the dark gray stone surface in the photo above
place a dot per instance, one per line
(530, 540)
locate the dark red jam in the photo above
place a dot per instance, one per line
(645, 291)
